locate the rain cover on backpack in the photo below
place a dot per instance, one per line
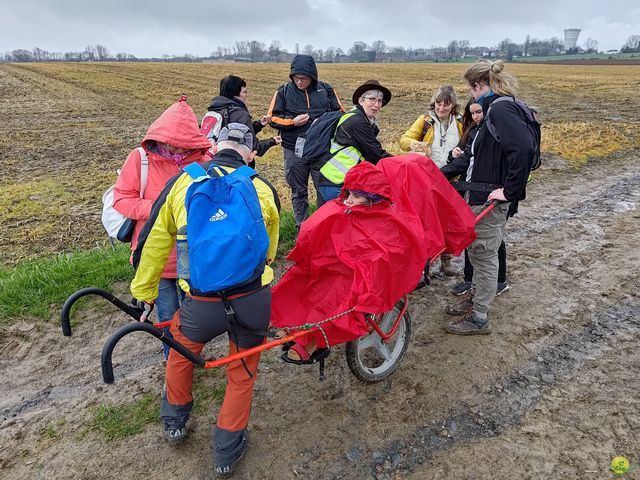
(226, 237)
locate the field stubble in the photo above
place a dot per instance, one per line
(67, 127)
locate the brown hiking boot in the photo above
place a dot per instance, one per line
(447, 267)
(469, 325)
(462, 307)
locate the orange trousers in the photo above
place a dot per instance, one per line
(236, 407)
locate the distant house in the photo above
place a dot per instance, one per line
(613, 50)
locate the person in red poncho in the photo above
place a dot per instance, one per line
(367, 256)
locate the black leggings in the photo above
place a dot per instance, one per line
(502, 265)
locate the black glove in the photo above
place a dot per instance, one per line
(144, 307)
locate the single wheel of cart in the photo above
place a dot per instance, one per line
(376, 355)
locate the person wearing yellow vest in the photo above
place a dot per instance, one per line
(355, 138)
(438, 131)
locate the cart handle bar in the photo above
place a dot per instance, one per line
(130, 310)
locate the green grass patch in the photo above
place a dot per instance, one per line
(120, 421)
(34, 288)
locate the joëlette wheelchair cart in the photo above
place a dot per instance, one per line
(371, 357)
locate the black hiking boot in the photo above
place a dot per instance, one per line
(174, 435)
(502, 287)
(225, 471)
(462, 288)
(469, 325)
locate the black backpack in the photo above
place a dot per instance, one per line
(530, 119)
(314, 145)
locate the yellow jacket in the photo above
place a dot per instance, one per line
(414, 134)
(171, 215)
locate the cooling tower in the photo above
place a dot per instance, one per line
(571, 37)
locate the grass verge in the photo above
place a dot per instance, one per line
(34, 288)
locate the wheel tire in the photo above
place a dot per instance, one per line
(400, 341)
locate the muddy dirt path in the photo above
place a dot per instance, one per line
(551, 393)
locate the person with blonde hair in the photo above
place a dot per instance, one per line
(438, 131)
(498, 172)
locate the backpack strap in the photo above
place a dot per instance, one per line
(144, 170)
(195, 171)
(247, 171)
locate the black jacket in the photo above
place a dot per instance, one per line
(289, 101)
(239, 113)
(460, 165)
(508, 162)
(357, 131)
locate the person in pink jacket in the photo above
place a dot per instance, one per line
(172, 142)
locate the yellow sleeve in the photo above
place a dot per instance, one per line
(271, 219)
(155, 251)
(413, 134)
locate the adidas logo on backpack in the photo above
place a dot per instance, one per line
(219, 215)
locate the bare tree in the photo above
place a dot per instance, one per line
(275, 49)
(590, 45)
(463, 46)
(631, 45)
(256, 50)
(330, 54)
(242, 48)
(379, 46)
(357, 48)
(296, 49)
(308, 49)
(102, 53)
(452, 49)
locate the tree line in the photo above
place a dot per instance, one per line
(378, 51)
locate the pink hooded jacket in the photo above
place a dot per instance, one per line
(177, 126)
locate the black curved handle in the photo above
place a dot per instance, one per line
(107, 350)
(130, 310)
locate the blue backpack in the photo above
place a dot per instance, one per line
(226, 237)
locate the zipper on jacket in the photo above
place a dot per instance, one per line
(308, 102)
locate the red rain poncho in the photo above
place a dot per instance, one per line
(368, 257)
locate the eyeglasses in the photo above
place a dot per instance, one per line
(300, 78)
(374, 99)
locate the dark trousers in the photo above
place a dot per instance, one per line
(502, 265)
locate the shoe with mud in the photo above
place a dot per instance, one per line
(447, 267)
(174, 435)
(469, 325)
(462, 288)
(226, 471)
(462, 307)
(502, 287)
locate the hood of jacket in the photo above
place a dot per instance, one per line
(304, 65)
(366, 177)
(221, 102)
(178, 127)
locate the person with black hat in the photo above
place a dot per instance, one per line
(294, 107)
(203, 315)
(355, 138)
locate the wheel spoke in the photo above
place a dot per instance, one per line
(370, 341)
(383, 348)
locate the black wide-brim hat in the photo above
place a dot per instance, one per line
(372, 85)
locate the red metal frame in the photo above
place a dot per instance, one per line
(375, 326)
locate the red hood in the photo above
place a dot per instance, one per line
(178, 127)
(366, 177)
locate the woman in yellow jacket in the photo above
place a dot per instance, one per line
(438, 131)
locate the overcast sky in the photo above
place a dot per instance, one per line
(148, 28)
